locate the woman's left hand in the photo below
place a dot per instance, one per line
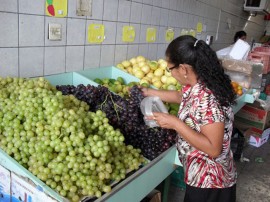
(164, 120)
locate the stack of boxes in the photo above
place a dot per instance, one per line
(254, 120)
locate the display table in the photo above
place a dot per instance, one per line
(135, 187)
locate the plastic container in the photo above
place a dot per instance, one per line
(239, 50)
(262, 57)
(152, 104)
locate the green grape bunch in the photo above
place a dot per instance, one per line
(74, 151)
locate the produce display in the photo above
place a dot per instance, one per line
(73, 150)
(117, 85)
(238, 89)
(125, 115)
(150, 72)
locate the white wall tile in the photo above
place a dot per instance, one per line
(136, 10)
(143, 50)
(190, 21)
(9, 30)
(9, 5)
(172, 21)
(194, 7)
(150, 2)
(157, 3)
(143, 33)
(110, 10)
(32, 7)
(110, 32)
(173, 4)
(120, 53)
(63, 22)
(152, 51)
(124, 11)
(180, 5)
(31, 30)
(166, 4)
(186, 6)
(92, 56)
(146, 14)
(161, 36)
(76, 31)
(9, 62)
(164, 16)
(97, 9)
(133, 51)
(74, 58)
(155, 18)
(161, 50)
(31, 62)
(176, 32)
(107, 55)
(54, 60)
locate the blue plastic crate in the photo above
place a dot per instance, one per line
(70, 78)
(107, 72)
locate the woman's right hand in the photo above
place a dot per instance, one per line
(144, 91)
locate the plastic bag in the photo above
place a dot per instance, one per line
(149, 105)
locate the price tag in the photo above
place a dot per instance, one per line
(96, 33)
(169, 35)
(56, 8)
(199, 27)
(151, 34)
(128, 34)
(192, 32)
(184, 32)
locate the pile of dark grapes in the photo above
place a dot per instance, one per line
(125, 114)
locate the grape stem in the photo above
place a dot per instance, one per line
(115, 106)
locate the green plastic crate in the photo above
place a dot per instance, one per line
(177, 178)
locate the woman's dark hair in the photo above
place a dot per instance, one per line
(196, 53)
(238, 35)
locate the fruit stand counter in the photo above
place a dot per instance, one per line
(133, 188)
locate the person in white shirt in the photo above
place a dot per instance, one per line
(225, 51)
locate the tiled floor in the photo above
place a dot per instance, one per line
(253, 183)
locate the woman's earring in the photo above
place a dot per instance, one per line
(185, 76)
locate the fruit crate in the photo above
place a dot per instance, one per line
(70, 78)
(107, 72)
(14, 167)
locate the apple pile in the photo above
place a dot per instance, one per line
(118, 85)
(150, 72)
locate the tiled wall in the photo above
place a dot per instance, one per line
(25, 50)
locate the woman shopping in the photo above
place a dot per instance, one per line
(205, 120)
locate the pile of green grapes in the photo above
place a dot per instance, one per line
(73, 150)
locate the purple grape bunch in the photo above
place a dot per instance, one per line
(125, 115)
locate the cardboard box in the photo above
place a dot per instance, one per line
(252, 116)
(258, 140)
(25, 191)
(4, 185)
